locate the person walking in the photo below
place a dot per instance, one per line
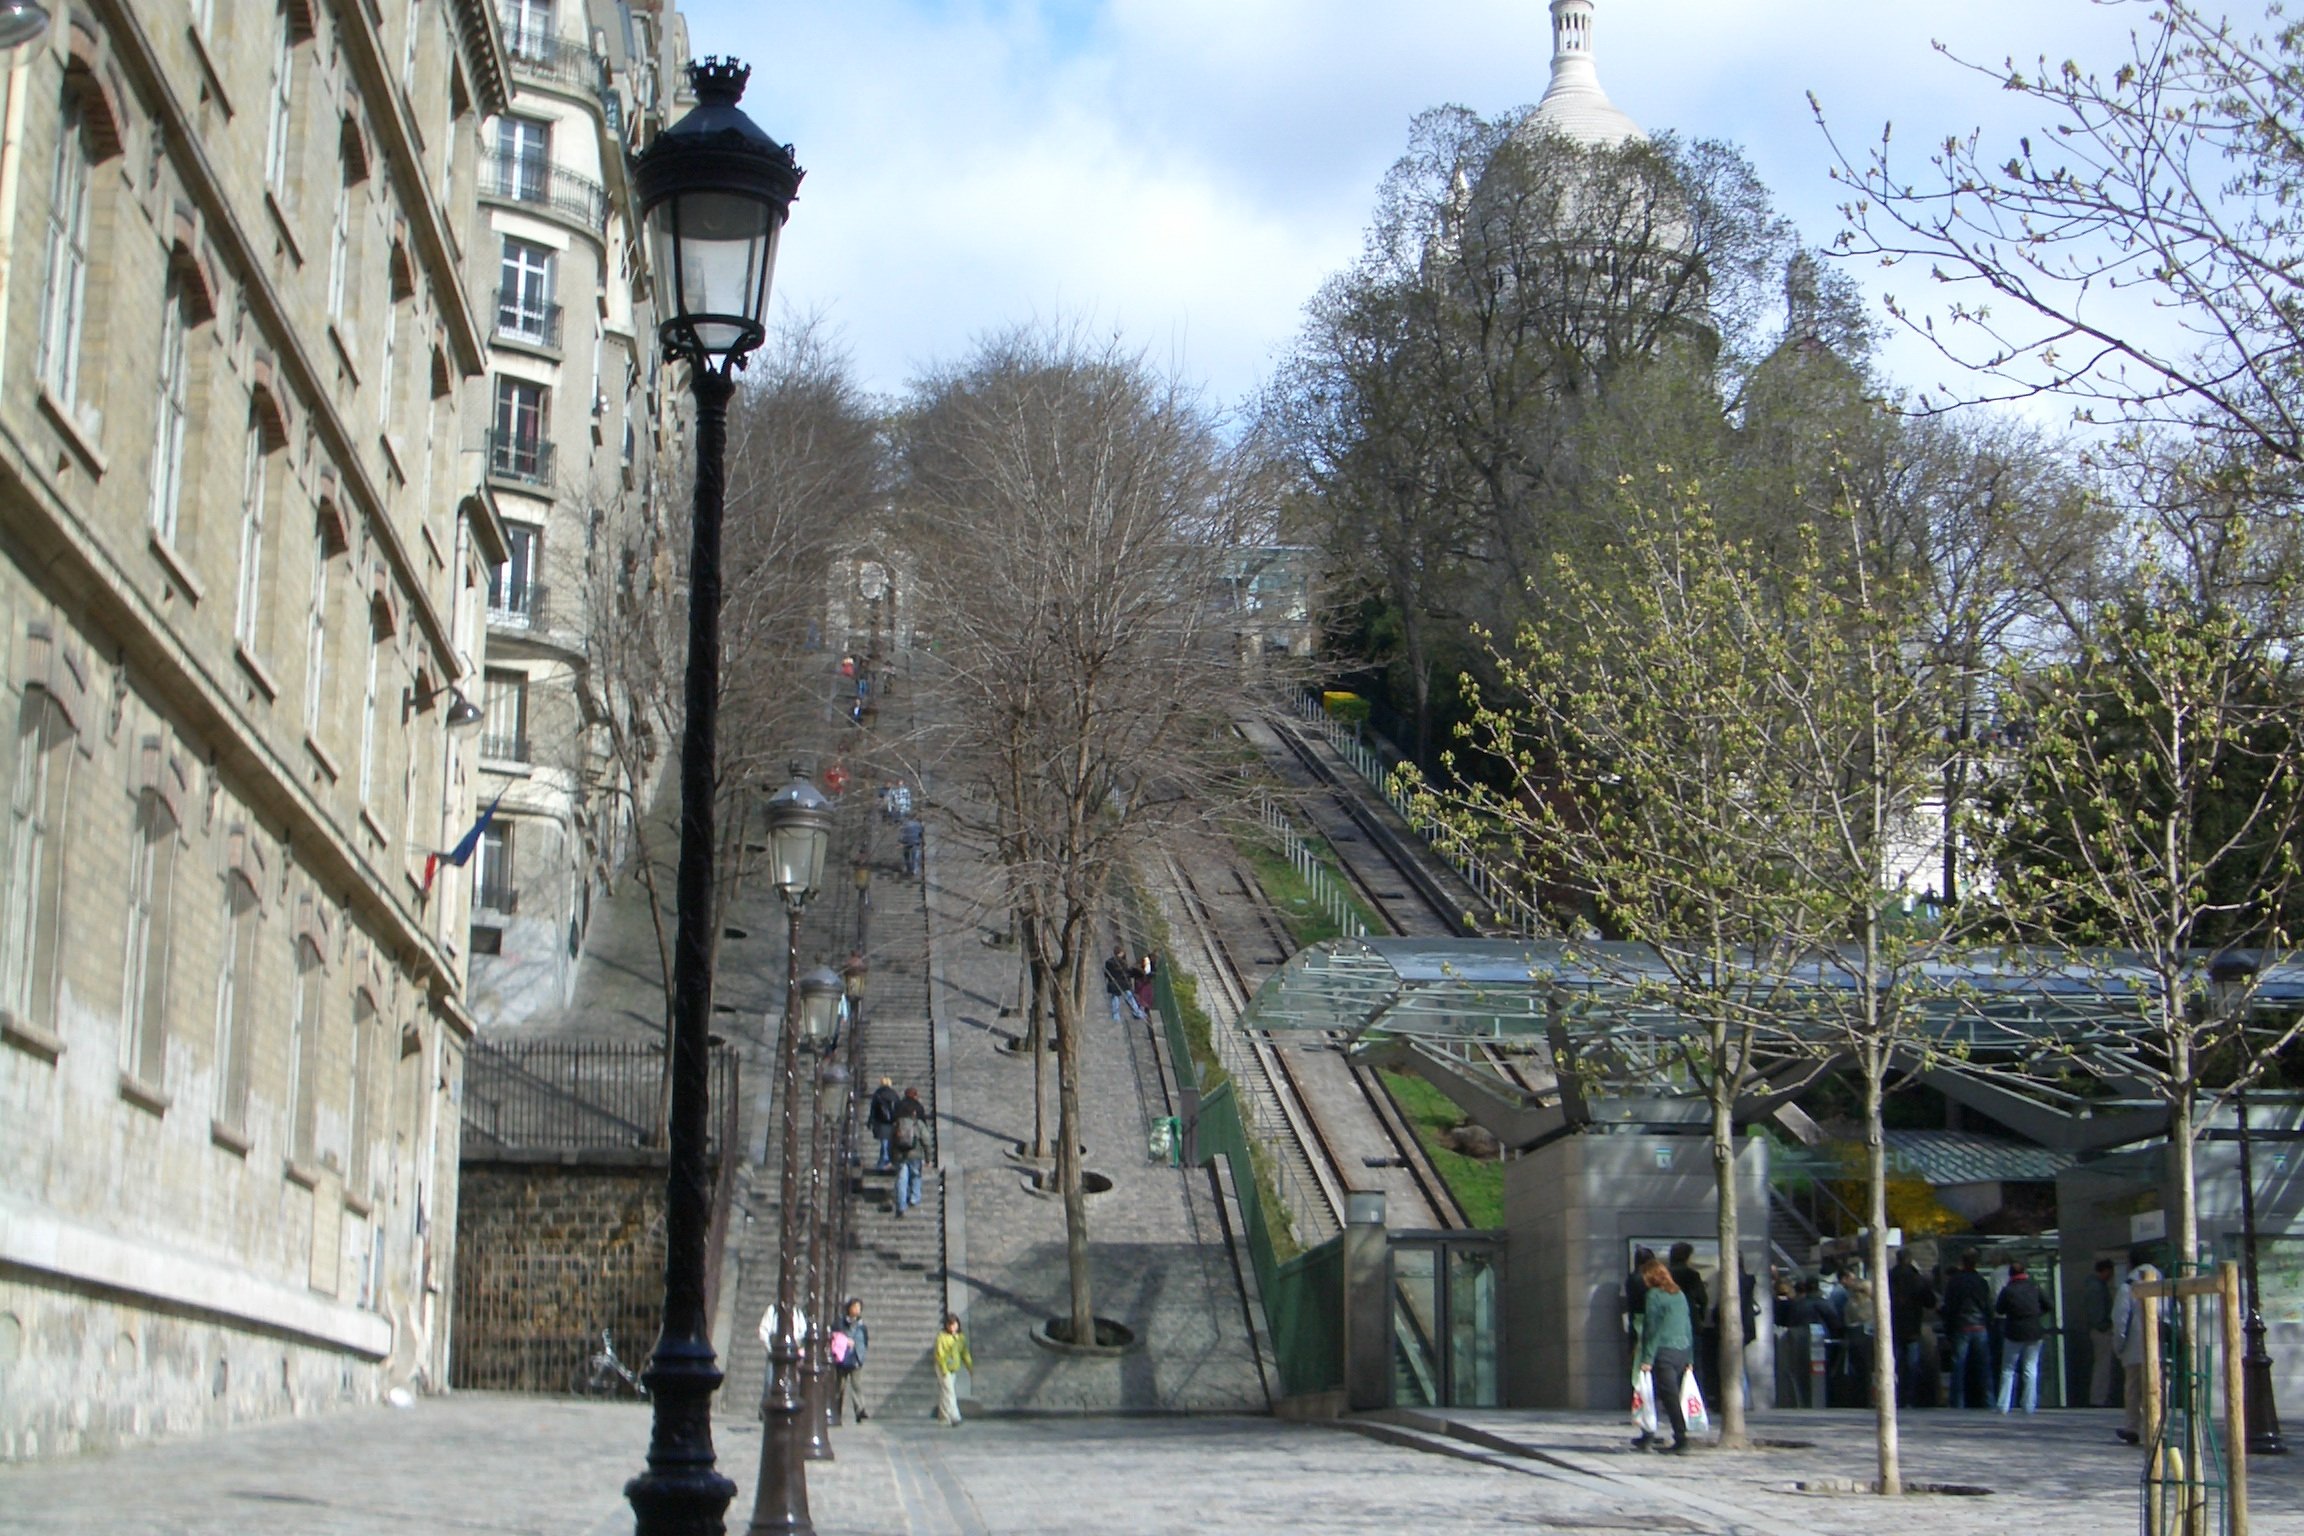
(908, 1137)
(2024, 1321)
(880, 1117)
(909, 834)
(2096, 1300)
(2128, 1331)
(1119, 981)
(1145, 984)
(1910, 1293)
(846, 1366)
(1968, 1313)
(1667, 1342)
(952, 1358)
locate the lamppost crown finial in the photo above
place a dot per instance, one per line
(715, 79)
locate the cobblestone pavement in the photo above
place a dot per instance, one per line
(480, 1462)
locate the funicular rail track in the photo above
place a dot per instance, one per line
(1330, 1122)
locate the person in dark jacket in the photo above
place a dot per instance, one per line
(1910, 1293)
(1681, 1263)
(1119, 982)
(880, 1117)
(1666, 1342)
(2023, 1328)
(1968, 1314)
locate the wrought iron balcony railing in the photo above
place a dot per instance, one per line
(519, 318)
(517, 607)
(525, 179)
(512, 456)
(553, 60)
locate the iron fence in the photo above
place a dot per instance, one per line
(529, 1321)
(573, 1097)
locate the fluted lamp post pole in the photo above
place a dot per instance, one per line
(823, 1305)
(715, 192)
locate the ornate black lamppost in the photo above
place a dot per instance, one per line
(715, 192)
(2263, 1415)
(799, 825)
(823, 1306)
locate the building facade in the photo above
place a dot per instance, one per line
(577, 420)
(246, 539)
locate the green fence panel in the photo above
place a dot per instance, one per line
(1303, 1298)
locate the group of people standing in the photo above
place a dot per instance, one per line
(1129, 984)
(900, 1124)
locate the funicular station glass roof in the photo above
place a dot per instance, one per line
(2043, 1042)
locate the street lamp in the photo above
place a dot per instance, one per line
(715, 191)
(2229, 977)
(821, 1005)
(799, 826)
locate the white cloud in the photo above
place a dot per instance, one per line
(1189, 171)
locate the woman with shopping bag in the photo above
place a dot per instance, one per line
(1667, 1340)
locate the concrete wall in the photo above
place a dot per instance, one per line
(1570, 1208)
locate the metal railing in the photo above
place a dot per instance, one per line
(512, 456)
(496, 892)
(502, 749)
(524, 179)
(1327, 890)
(517, 607)
(553, 60)
(518, 320)
(1509, 906)
(573, 1096)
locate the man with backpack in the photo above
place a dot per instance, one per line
(909, 1138)
(880, 1117)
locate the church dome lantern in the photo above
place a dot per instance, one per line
(1574, 105)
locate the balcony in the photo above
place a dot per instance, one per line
(526, 323)
(521, 608)
(555, 61)
(496, 892)
(534, 183)
(525, 461)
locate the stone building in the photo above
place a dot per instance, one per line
(577, 417)
(245, 549)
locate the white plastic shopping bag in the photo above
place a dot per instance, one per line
(1692, 1410)
(1644, 1401)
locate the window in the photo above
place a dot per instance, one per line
(66, 287)
(236, 998)
(523, 158)
(248, 627)
(518, 449)
(173, 409)
(144, 984)
(504, 733)
(282, 111)
(512, 588)
(528, 28)
(340, 248)
(367, 1055)
(493, 885)
(391, 361)
(524, 307)
(316, 638)
(306, 1029)
(368, 720)
(32, 928)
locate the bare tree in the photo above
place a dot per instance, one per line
(1077, 508)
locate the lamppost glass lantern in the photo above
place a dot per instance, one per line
(799, 828)
(715, 192)
(821, 992)
(852, 977)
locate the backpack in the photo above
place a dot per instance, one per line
(906, 1135)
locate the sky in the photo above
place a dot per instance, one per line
(1185, 174)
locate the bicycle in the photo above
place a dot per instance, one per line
(603, 1375)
